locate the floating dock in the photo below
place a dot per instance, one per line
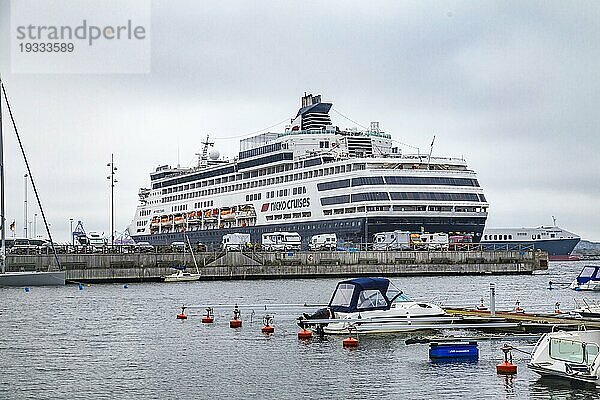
(129, 267)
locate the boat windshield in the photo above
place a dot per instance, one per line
(370, 299)
(574, 352)
(402, 298)
(343, 295)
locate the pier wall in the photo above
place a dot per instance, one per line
(279, 265)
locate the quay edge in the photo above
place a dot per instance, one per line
(132, 267)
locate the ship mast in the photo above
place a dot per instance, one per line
(203, 157)
(2, 218)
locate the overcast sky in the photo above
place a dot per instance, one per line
(511, 86)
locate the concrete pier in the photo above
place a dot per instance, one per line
(131, 267)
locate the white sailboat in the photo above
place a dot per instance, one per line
(21, 278)
(181, 275)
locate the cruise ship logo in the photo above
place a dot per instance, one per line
(286, 205)
(265, 207)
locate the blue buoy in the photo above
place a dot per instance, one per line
(125, 286)
(446, 350)
(26, 290)
(81, 286)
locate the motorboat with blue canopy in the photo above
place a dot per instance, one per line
(371, 305)
(588, 279)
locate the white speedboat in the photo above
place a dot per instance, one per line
(182, 276)
(588, 279)
(570, 355)
(374, 305)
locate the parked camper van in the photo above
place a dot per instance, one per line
(278, 241)
(326, 241)
(396, 240)
(96, 241)
(434, 241)
(460, 242)
(235, 241)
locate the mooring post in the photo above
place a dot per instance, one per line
(492, 299)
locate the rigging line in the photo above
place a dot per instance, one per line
(30, 174)
(258, 131)
(406, 144)
(351, 120)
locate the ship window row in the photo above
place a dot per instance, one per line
(252, 184)
(384, 196)
(274, 169)
(144, 213)
(181, 207)
(260, 150)
(277, 217)
(398, 180)
(253, 197)
(204, 204)
(402, 208)
(497, 237)
(141, 223)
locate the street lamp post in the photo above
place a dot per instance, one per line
(35, 226)
(112, 179)
(72, 239)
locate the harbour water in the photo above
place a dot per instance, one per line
(108, 341)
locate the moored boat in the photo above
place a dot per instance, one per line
(569, 355)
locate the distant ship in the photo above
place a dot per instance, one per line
(312, 178)
(555, 241)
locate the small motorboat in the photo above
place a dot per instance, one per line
(569, 355)
(182, 276)
(588, 279)
(587, 310)
(373, 305)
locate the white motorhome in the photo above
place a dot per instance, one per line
(281, 241)
(235, 241)
(326, 241)
(396, 240)
(434, 241)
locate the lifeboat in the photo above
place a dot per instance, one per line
(227, 214)
(179, 220)
(155, 222)
(164, 221)
(193, 217)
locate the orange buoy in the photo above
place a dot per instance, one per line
(235, 323)
(182, 315)
(304, 334)
(208, 318)
(350, 342)
(518, 308)
(506, 368)
(267, 329)
(557, 308)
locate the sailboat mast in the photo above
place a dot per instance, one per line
(2, 217)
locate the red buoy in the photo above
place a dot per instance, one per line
(208, 318)
(182, 315)
(235, 323)
(506, 368)
(267, 329)
(304, 334)
(350, 342)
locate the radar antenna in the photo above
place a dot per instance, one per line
(203, 157)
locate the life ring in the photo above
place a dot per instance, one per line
(310, 258)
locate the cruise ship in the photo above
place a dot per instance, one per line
(555, 241)
(312, 178)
